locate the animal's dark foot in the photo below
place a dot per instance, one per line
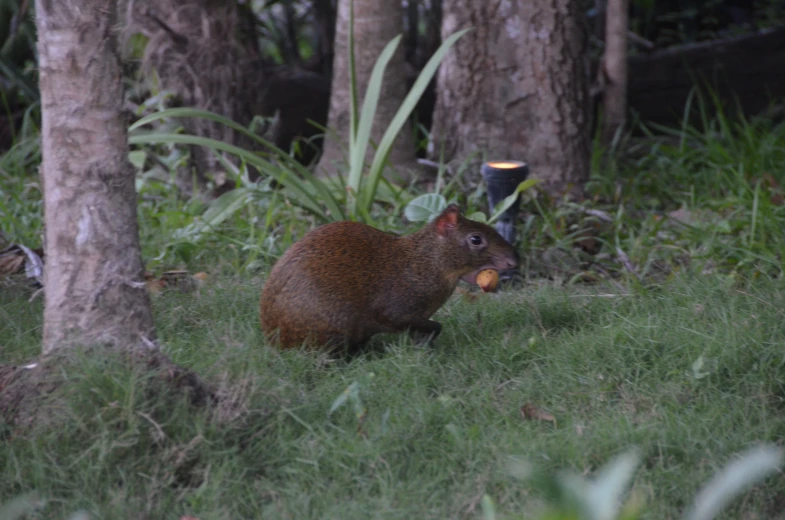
(426, 332)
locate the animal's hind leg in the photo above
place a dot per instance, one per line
(425, 331)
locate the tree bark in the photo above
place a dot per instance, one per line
(376, 22)
(93, 276)
(204, 51)
(615, 70)
(324, 27)
(517, 87)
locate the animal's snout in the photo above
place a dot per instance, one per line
(513, 260)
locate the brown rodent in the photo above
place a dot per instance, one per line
(345, 281)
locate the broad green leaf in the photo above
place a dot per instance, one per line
(603, 495)
(478, 216)
(510, 199)
(425, 207)
(697, 368)
(753, 466)
(137, 158)
(488, 508)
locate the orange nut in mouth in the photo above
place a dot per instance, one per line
(488, 279)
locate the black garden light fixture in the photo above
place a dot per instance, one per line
(502, 178)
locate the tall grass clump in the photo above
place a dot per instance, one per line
(708, 192)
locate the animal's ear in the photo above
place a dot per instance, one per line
(447, 220)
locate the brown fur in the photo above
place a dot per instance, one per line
(344, 282)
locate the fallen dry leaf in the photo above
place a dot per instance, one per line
(767, 181)
(18, 259)
(12, 263)
(534, 413)
(587, 239)
(155, 286)
(179, 278)
(777, 197)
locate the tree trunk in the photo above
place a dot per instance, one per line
(93, 277)
(517, 87)
(204, 51)
(376, 22)
(324, 27)
(615, 70)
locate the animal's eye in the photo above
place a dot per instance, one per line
(476, 239)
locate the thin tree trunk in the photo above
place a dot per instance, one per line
(93, 282)
(615, 69)
(376, 22)
(517, 87)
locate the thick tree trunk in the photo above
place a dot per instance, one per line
(376, 22)
(93, 282)
(615, 70)
(517, 87)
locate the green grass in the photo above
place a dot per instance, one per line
(725, 176)
(685, 363)
(440, 425)
(724, 180)
(726, 173)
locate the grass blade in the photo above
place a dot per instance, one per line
(359, 145)
(354, 98)
(328, 198)
(298, 187)
(510, 199)
(401, 117)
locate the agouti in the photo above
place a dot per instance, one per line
(345, 281)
